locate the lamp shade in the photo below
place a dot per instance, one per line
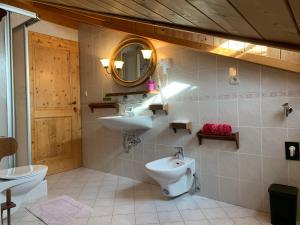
(105, 63)
(118, 64)
(146, 53)
(232, 71)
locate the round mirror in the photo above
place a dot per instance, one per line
(133, 62)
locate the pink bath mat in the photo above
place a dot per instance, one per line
(60, 210)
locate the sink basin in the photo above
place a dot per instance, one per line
(127, 122)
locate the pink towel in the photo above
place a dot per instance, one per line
(217, 129)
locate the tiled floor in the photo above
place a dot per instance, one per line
(121, 201)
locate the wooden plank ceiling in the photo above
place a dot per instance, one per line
(222, 27)
(274, 22)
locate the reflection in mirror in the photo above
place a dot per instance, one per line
(135, 65)
(139, 61)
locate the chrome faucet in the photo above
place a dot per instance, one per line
(129, 110)
(180, 153)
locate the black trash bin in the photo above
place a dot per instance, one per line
(283, 203)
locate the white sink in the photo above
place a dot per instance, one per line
(127, 122)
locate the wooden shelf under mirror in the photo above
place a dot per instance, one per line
(233, 137)
(156, 107)
(131, 93)
(103, 105)
(186, 125)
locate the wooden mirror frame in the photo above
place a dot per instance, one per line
(151, 67)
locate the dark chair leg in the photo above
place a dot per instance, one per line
(2, 217)
(8, 216)
(8, 205)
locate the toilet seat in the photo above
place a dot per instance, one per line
(22, 172)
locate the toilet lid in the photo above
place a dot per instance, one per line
(21, 172)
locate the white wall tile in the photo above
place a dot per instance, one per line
(250, 140)
(251, 194)
(228, 164)
(229, 190)
(249, 74)
(293, 120)
(249, 112)
(250, 168)
(209, 186)
(275, 170)
(209, 161)
(272, 112)
(273, 142)
(273, 82)
(228, 112)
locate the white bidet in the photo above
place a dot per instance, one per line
(174, 175)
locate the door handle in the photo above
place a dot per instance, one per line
(73, 103)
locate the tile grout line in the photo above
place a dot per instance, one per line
(218, 108)
(261, 130)
(238, 152)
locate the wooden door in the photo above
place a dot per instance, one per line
(55, 102)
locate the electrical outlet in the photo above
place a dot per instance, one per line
(292, 150)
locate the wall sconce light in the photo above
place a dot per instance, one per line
(105, 63)
(233, 76)
(118, 64)
(146, 53)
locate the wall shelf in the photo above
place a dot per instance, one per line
(132, 93)
(103, 105)
(233, 137)
(156, 107)
(186, 125)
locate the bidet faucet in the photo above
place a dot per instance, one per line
(180, 153)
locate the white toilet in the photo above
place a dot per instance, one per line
(25, 182)
(174, 175)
